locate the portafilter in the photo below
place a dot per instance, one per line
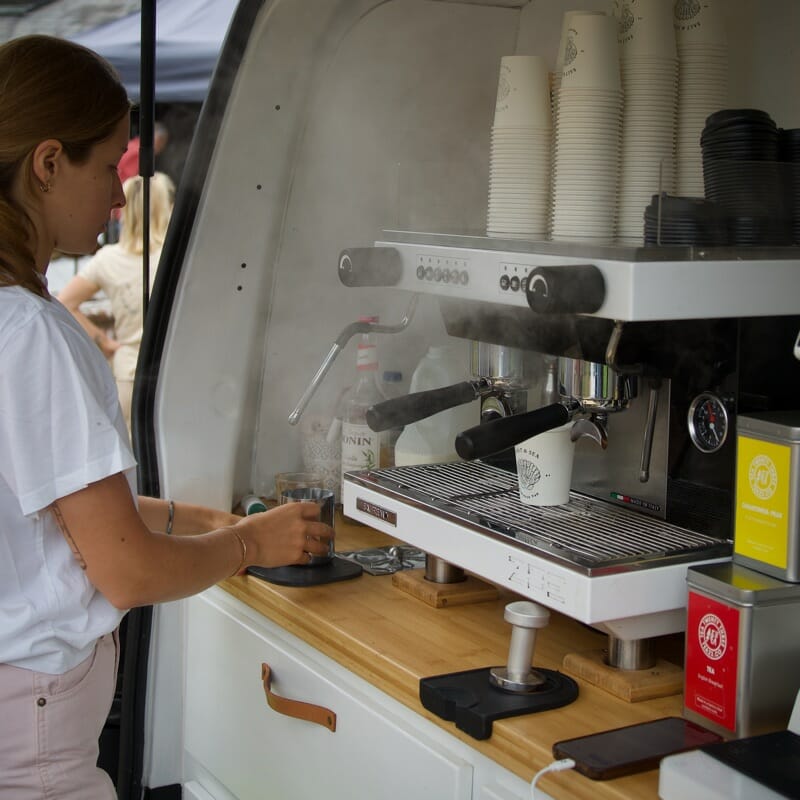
(586, 387)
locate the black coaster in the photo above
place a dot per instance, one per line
(340, 569)
(469, 700)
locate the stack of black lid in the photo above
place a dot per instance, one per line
(743, 175)
(789, 154)
(671, 221)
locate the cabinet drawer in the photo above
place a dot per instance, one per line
(258, 754)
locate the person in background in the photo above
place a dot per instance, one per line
(129, 163)
(128, 167)
(78, 547)
(116, 269)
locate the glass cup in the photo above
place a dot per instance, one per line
(285, 481)
(325, 500)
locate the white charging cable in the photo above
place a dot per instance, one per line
(555, 766)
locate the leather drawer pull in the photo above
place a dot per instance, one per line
(296, 708)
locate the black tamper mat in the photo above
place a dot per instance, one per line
(339, 569)
(469, 700)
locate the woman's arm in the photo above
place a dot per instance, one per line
(133, 566)
(187, 519)
(78, 290)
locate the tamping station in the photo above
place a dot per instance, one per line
(475, 698)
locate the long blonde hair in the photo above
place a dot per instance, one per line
(49, 89)
(162, 194)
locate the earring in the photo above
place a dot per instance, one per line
(45, 187)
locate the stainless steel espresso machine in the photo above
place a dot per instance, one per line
(657, 350)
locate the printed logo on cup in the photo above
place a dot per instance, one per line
(712, 636)
(763, 477)
(529, 475)
(570, 49)
(503, 91)
(686, 10)
(626, 21)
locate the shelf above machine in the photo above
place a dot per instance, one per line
(641, 284)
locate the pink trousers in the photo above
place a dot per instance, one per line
(50, 726)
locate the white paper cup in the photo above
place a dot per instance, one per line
(544, 467)
(646, 28)
(591, 58)
(700, 24)
(523, 93)
(566, 24)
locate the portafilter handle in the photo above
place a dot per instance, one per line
(492, 437)
(400, 411)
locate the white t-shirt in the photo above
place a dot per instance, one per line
(60, 429)
(119, 274)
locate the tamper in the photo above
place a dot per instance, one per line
(518, 677)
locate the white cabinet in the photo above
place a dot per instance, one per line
(380, 749)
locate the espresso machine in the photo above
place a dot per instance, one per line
(655, 351)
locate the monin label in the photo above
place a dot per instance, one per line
(361, 447)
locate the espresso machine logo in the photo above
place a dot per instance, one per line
(763, 477)
(686, 10)
(712, 636)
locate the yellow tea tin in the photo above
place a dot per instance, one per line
(766, 533)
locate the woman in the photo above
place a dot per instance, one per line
(117, 270)
(77, 548)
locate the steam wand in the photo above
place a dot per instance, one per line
(341, 342)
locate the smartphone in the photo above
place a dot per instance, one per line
(634, 748)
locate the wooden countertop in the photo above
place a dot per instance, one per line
(392, 640)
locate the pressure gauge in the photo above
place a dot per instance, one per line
(708, 422)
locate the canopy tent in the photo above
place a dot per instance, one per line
(189, 36)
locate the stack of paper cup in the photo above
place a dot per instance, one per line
(565, 45)
(587, 134)
(702, 82)
(649, 72)
(521, 157)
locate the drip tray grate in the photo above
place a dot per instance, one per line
(586, 533)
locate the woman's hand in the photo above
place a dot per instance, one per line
(286, 534)
(132, 565)
(107, 345)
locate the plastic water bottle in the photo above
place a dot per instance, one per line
(432, 440)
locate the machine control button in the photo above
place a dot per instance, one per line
(464, 277)
(428, 273)
(437, 274)
(515, 283)
(420, 272)
(504, 282)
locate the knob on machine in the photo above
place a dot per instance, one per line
(579, 289)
